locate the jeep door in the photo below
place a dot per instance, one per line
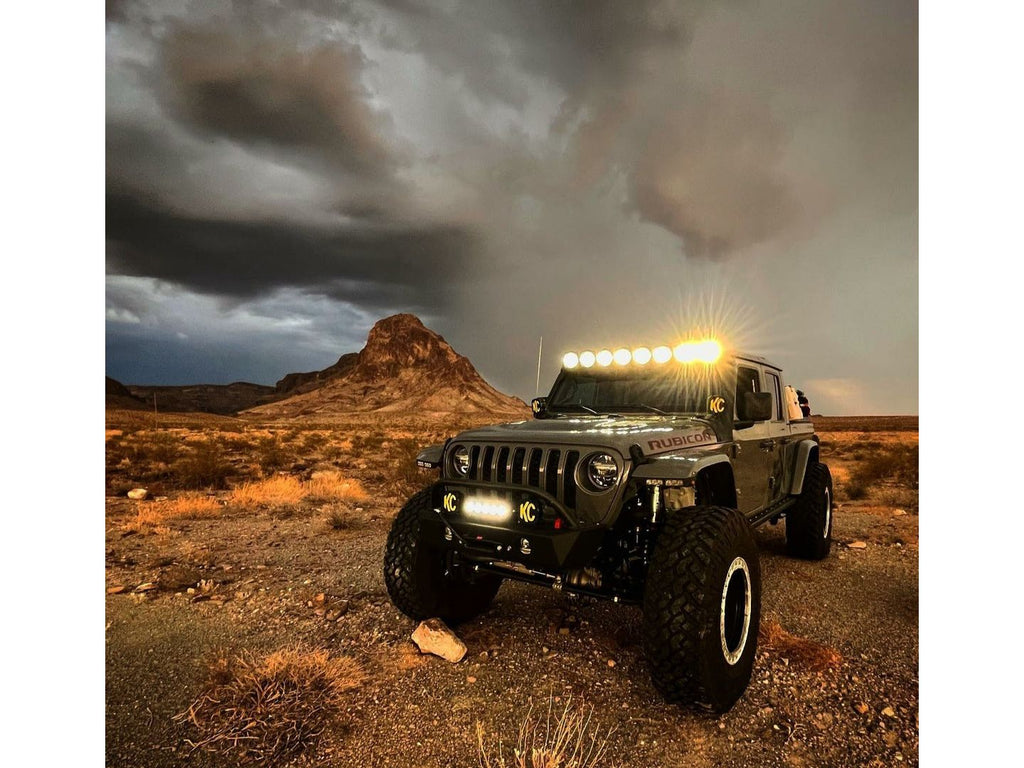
(752, 461)
(778, 437)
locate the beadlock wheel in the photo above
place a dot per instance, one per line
(734, 625)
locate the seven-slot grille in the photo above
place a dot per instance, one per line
(549, 469)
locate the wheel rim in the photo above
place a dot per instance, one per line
(734, 623)
(828, 514)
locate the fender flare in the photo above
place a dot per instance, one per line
(806, 452)
(677, 467)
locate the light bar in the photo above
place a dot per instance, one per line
(706, 351)
(487, 509)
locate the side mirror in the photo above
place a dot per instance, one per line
(540, 407)
(755, 406)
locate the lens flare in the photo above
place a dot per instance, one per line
(604, 357)
(623, 356)
(571, 360)
(587, 359)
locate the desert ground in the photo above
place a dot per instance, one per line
(252, 571)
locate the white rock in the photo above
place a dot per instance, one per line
(434, 636)
(138, 494)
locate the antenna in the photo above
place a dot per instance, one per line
(540, 351)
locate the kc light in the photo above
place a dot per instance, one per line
(641, 355)
(571, 360)
(493, 510)
(587, 359)
(622, 356)
(604, 357)
(661, 354)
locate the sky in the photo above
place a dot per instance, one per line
(281, 175)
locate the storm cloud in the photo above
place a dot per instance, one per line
(593, 172)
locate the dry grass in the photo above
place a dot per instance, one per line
(798, 650)
(190, 506)
(277, 491)
(287, 490)
(331, 486)
(561, 739)
(273, 708)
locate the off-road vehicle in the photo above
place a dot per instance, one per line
(640, 480)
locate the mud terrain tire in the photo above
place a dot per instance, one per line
(702, 607)
(414, 573)
(809, 520)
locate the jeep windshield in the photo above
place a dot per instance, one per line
(669, 391)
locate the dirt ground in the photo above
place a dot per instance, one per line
(835, 681)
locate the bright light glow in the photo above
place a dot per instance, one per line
(604, 357)
(587, 359)
(698, 351)
(571, 360)
(488, 509)
(622, 356)
(662, 354)
(641, 355)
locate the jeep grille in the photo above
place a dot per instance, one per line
(549, 469)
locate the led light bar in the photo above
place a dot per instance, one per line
(494, 510)
(707, 351)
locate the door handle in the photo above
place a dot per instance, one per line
(767, 445)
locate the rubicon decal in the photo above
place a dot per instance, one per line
(680, 439)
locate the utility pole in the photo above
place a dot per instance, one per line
(540, 351)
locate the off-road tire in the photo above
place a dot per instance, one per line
(809, 520)
(684, 607)
(414, 572)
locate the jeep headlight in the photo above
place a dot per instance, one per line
(602, 471)
(460, 460)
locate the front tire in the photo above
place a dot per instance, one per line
(702, 607)
(417, 576)
(809, 520)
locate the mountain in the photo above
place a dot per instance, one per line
(404, 367)
(225, 399)
(121, 398)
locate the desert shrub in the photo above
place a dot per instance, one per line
(899, 498)
(799, 650)
(271, 455)
(157, 447)
(314, 441)
(896, 464)
(402, 471)
(853, 490)
(204, 467)
(563, 737)
(270, 709)
(190, 506)
(340, 520)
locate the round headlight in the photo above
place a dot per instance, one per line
(602, 471)
(460, 460)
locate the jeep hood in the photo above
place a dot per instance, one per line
(655, 434)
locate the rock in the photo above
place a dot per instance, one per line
(857, 545)
(470, 679)
(116, 590)
(862, 708)
(434, 636)
(563, 630)
(148, 586)
(178, 577)
(890, 738)
(611, 662)
(899, 512)
(138, 494)
(889, 712)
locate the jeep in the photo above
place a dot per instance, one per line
(639, 480)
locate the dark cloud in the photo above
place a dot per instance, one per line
(390, 266)
(258, 90)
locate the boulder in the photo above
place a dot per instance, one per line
(138, 494)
